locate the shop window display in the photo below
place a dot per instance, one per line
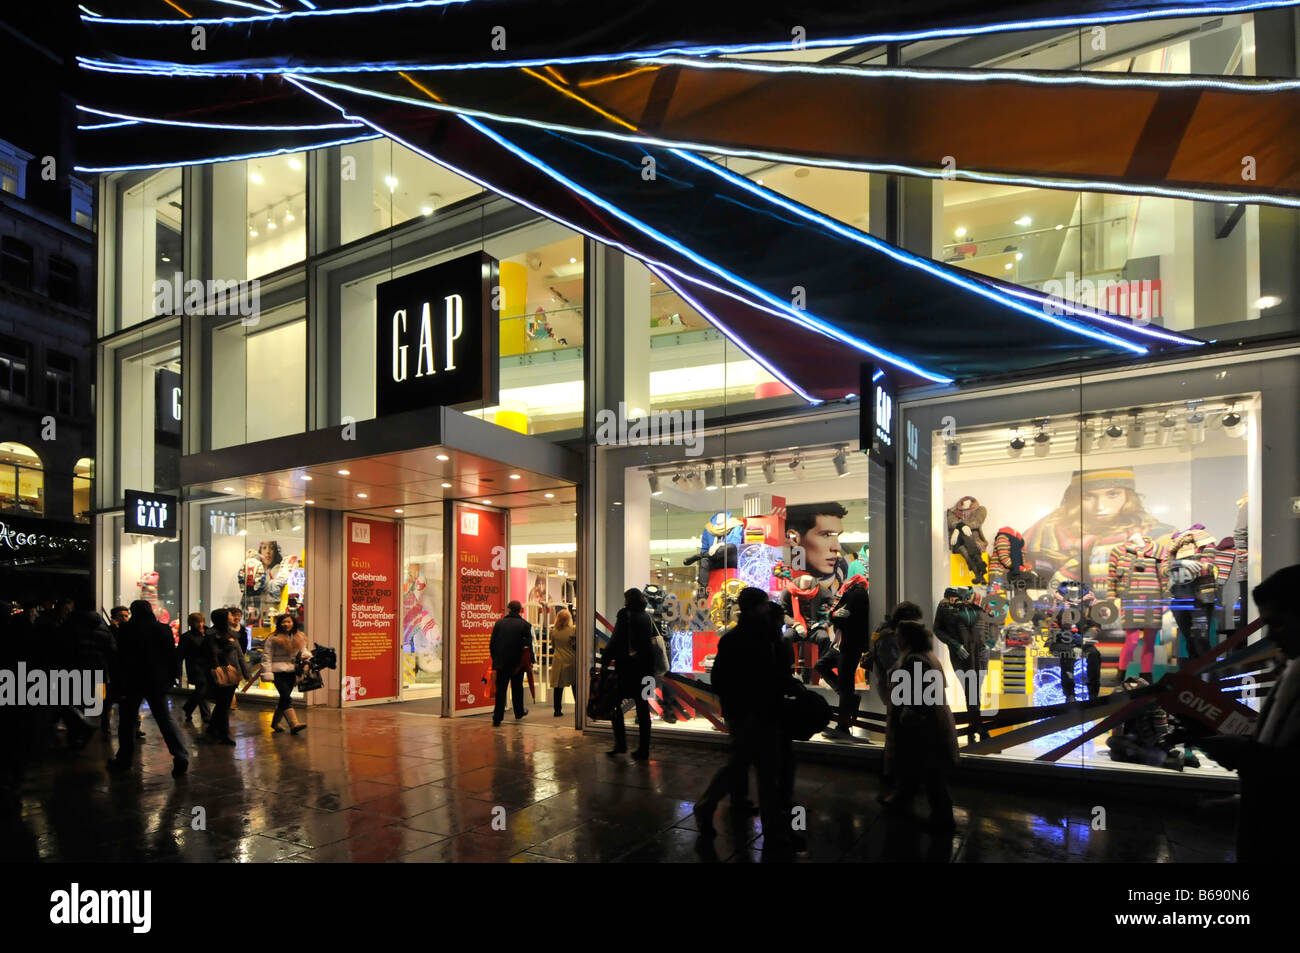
(422, 625)
(798, 535)
(255, 562)
(1078, 556)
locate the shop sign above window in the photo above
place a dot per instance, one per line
(877, 415)
(150, 514)
(437, 342)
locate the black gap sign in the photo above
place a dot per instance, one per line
(877, 415)
(436, 337)
(150, 514)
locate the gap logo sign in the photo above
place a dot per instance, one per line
(876, 428)
(150, 514)
(436, 336)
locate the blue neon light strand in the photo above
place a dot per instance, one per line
(306, 127)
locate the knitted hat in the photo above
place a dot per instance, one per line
(1109, 478)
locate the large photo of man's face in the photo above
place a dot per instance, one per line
(813, 532)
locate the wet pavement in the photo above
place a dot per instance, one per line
(384, 785)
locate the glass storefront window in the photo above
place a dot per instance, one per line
(422, 617)
(255, 555)
(148, 420)
(259, 215)
(83, 479)
(144, 568)
(149, 242)
(1084, 539)
(691, 532)
(22, 479)
(382, 184)
(541, 330)
(261, 368)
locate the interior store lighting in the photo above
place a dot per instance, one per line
(952, 453)
(769, 470)
(1168, 426)
(654, 484)
(710, 478)
(1195, 423)
(1137, 431)
(841, 462)
(1042, 439)
(741, 480)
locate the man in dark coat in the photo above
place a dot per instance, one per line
(510, 637)
(148, 665)
(194, 659)
(632, 655)
(750, 677)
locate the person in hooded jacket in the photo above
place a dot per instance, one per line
(630, 652)
(147, 666)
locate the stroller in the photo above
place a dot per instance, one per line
(322, 657)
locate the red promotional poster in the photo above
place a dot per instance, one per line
(482, 580)
(371, 645)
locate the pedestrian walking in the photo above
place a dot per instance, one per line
(511, 637)
(194, 662)
(751, 675)
(564, 659)
(282, 652)
(920, 735)
(631, 654)
(222, 654)
(147, 667)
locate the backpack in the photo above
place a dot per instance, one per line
(805, 713)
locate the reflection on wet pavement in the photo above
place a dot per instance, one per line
(374, 786)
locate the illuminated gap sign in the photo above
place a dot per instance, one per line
(436, 340)
(167, 402)
(877, 418)
(150, 514)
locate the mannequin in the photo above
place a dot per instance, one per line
(1191, 577)
(1135, 574)
(807, 606)
(1009, 556)
(1075, 636)
(957, 623)
(965, 520)
(722, 534)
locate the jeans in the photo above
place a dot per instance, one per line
(516, 683)
(126, 725)
(284, 684)
(642, 723)
(199, 699)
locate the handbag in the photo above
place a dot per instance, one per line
(804, 713)
(226, 676)
(659, 655)
(603, 697)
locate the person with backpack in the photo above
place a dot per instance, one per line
(920, 734)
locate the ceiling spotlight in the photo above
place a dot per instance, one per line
(1165, 430)
(1083, 434)
(711, 477)
(515, 476)
(442, 456)
(795, 462)
(1042, 440)
(255, 178)
(399, 510)
(270, 224)
(1059, 227)
(363, 496)
(841, 462)
(740, 475)
(295, 163)
(769, 470)
(307, 477)
(227, 489)
(426, 209)
(654, 484)
(960, 231)
(488, 502)
(1195, 423)
(1024, 221)
(728, 475)
(952, 453)
(309, 502)
(1113, 430)
(345, 473)
(549, 496)
(1268, 301)
(1234, 422)
(1137, 431)
(288, 215)
(1017, 443)
(252, 232)
(1008, 266)
(573, 261)
(391, 182)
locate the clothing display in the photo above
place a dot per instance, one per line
(1136, 572)
(1008, 557)
(719, 543)
(1192, 585)
(965, 520)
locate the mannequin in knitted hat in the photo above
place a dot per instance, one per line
(1098, 509)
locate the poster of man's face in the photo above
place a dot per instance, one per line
(813, 532)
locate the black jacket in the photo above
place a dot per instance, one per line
(221, 649)
(190, 651)
(147, 661)
(510, 636)
(629, 649)
(749, 673)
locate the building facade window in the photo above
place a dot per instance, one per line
(13, 169)
(149, 217)
(60, 383)
(83, 479)
(62, 282)
(257, 376)
(259, 215)
(22, 479)
(16, 262)
(14, 356)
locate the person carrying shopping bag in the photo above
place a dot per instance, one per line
(282, 653)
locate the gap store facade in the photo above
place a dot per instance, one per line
(314, 473)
